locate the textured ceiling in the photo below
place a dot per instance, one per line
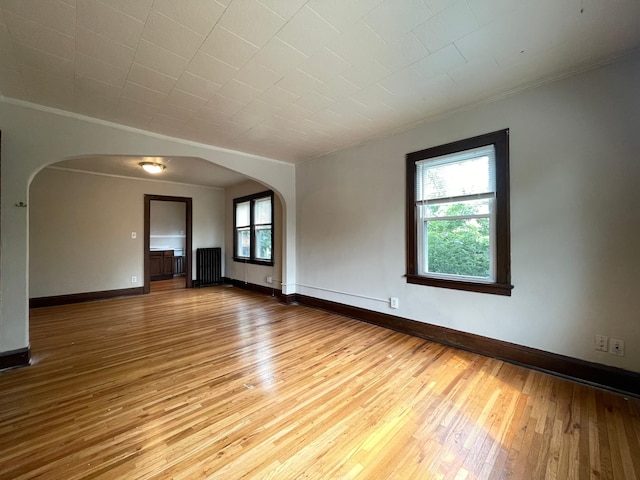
(293, 79)
(189, 170)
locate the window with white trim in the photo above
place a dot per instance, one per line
(458, 215)
(253, 228)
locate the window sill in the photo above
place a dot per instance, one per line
(491, 288)
(266, 263)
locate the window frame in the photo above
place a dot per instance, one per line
(502, 267)
(253, 259)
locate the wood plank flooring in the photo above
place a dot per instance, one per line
(175, 283)
(223, 384)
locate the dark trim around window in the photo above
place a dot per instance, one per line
(502, 284)
(252, 259)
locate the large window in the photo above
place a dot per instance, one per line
(458, 215)
(253, 227)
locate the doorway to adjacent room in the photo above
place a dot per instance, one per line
(167, 242)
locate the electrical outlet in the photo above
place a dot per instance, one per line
(393, 302)
(134, 234)
(269, 279)
(616, 346)
(602, 343)
(134, 279)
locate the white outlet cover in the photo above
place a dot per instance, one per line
(134, 234)
(602, 343)
(616, 346)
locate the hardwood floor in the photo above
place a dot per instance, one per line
(175, 283)
(222, 383)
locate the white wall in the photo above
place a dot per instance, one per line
(246, 272)
(575, 219)
(80, 229)
(167, 224)
(34, 137)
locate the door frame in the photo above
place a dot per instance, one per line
(148, 198)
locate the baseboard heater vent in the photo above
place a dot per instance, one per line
(208, 266)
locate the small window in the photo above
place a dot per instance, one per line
(458, 215)
(253, 225)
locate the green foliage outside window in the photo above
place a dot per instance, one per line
(458, 246)
(263, 239)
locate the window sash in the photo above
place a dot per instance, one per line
(259, 231)
(243, 214)
(423, 247)
(262, 211)
(444, 172)
(243, 242)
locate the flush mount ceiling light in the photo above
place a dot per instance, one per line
(152, 167)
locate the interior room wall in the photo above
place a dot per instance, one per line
(167, 221)
(574, 219)
(80, 229)
(246, 272)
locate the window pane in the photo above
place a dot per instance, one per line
(263, 243)
(456, 177)
(455, 209)
(244, 242)
(458, 247)
(242, 214)
(262, 210)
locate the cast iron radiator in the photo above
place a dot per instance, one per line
(208, 266)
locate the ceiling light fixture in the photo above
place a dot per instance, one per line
(152, 167)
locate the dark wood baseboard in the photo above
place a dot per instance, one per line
(253, 287)
(288, 299)
(82, 297)
(596, 374)
(15, 358)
